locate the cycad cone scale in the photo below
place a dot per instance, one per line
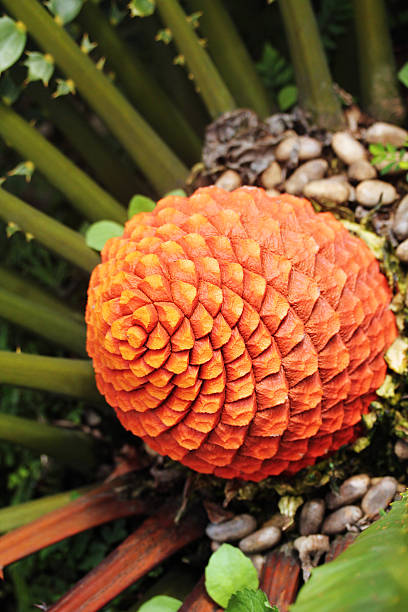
(239, 334)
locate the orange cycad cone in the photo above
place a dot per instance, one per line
(240, 334)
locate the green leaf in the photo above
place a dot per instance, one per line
(98, 233)
(12, 41)
(141, 8)
(377, 149)
(227, 572)
(40, 67)
(161, 603)
(388, 168)
(370, 575)
(248, 600)
(274, 69)
(64, 88)
(164, 36)
(9, 91)
(287, 97)
(25, 168)
(64, 11)
(87, 45)
(140, 203)
(176, 192)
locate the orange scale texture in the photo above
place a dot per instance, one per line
(240, 334)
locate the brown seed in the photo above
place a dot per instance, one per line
(310, 171)
(372, 192)
(260, 540)
(379, 496)
(326, 190)
(311, 516)
(287, 148)
(229, 180)
(361, 170)
(230, 531)
(400, 223)
(271, 176)
(401, 450)
(309, 147)
(341, 519)
(402, 251)
(386, 133)
(350, 491)
(347, 148)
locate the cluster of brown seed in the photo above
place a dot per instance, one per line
(358, 502)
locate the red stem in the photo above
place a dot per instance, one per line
(154, 541)
(101, 505)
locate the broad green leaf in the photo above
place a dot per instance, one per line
(12, 41)
(287, 97)
(176, 192)
(141, 8)
(227, 572)
(40, 67)
(64, 11)
(98, 233)
(140, 203)
(370, 575)
(161, 603)
(403, 74)
(249, 600)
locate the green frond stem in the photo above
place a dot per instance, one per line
(378, 76)
(45, 322)
(117, 178)
(54, 235)
(72, 377)
(83, 193)
(211, 87)
(71, 448)
(154, 104)
(12, 281)
(158, 163)
(231, 57)
(316, 92)
(23, 514)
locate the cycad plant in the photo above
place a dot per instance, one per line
(87, 109)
